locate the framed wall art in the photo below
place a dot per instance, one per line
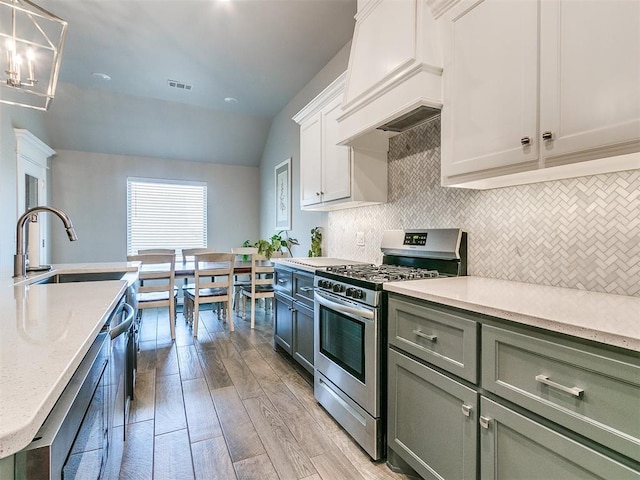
(283, 195)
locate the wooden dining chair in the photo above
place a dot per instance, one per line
(213, 284)
(157, 282)
(188, 255)
(161, 251)
(262, 277)
(242, 280)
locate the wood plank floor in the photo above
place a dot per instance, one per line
(227, 406)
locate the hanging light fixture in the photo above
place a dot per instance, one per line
(31, 41)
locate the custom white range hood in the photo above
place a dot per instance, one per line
(394, 78)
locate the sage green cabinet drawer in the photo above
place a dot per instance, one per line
(303, 288)
(513, 447)
(283, 281)
(591, 391)
(443, 338)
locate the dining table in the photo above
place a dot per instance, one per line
(187, 269)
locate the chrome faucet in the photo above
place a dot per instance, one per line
(20, 258)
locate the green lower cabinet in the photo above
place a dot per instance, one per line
(515, 447)
(433, 420)
(283, 322)
(303, 335)
(293, 329)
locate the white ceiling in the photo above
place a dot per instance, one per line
(261, 52)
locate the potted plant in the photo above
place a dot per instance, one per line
(275, 244)
(316, 243)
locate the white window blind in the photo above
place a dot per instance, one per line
(165, 214)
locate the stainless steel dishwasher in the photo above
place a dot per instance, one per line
(83, 435)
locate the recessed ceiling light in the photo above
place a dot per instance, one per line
(231, 100)
(101, 76)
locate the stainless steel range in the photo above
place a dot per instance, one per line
(351, 324)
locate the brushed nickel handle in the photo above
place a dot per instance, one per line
(547, 136)
(485, 422)
(431, 338)
(282, 280)
(525, 141)
(466, 410)
(575, 391)
(306, 289)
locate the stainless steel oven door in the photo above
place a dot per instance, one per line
(346, 348)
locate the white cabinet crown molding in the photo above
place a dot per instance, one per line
(334, 89)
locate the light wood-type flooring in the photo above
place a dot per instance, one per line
(227, 406)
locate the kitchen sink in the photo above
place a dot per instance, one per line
(83, 277)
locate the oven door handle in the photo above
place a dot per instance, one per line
(339, 307)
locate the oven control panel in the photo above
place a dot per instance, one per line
(415, 239)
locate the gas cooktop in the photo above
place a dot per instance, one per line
(383, 273)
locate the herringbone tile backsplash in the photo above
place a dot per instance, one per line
(579, 233)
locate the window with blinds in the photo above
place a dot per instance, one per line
(166, 214)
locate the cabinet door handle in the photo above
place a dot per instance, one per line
(282, 280)
(547, 136)
(484, 422)
(525, 141)
(466, 410)
(575, 391)
(431, 338)
(318, 194)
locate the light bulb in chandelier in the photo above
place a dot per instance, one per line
(34, 39)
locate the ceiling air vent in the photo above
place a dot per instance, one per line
(179, 85)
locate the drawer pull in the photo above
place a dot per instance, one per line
(484, 422)
(575, 391)
(282, 280)
(466, 410)
(306, 289)
(420, 334)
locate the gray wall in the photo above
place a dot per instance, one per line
(13, 117)
(92, 189)
(579, 233)
(284, 142)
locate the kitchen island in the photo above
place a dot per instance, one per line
(47, 330)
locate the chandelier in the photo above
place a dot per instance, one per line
(31, 41)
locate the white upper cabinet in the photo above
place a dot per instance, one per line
(311, 169)
(538, 90)
(336, 178)
(590, 70)
(333, 176)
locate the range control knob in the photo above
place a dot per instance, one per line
(358, 294)
(350, 291)
(338, 288)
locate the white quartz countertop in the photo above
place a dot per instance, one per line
(46, 331)
(602, 317)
